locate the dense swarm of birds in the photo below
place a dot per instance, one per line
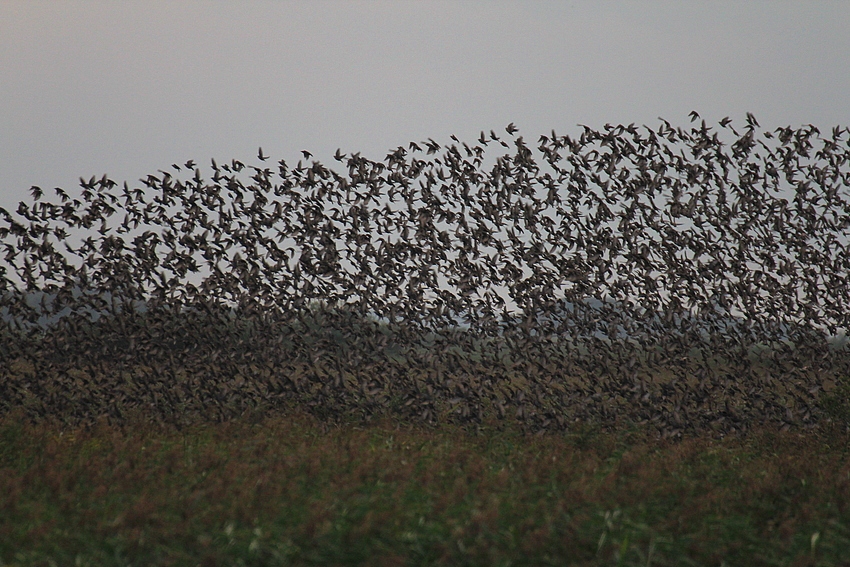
(681, 278)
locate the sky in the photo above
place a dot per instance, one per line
(127, 88)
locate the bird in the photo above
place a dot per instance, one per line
(667, 229)
(751, 120)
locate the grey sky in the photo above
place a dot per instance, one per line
(126, 88)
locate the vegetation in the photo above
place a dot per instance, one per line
(294, 491)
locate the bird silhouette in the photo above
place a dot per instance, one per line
(583, 260)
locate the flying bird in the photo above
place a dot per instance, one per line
(581, 252)
(751, 120)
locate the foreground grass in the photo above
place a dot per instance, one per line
(293, 492)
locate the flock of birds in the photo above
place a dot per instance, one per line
(635, 243)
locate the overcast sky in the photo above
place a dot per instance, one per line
(126, 88)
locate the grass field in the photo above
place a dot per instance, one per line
(293, 491)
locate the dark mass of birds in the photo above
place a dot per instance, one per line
(685, 278)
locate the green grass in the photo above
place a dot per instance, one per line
(292, 491)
